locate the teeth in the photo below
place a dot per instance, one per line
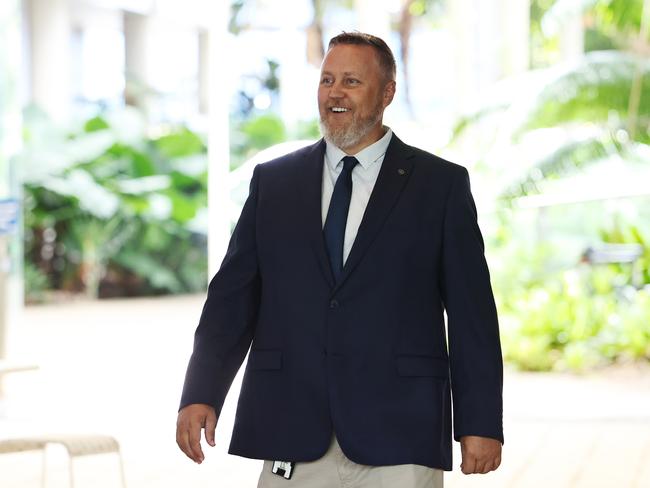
(339, 109)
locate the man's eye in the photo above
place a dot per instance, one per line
(326, 81)
(352, 81)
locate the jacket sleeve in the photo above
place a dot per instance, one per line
(476, 364)
(227, 322)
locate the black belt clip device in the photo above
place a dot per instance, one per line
(283, 468)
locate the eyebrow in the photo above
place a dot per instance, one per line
(345, 73)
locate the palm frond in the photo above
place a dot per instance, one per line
(594, 90)
(568, 158)
(475, 117)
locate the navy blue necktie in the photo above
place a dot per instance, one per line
(337, 216)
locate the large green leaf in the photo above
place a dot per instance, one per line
(95, 124)
(183, 209)
(590, 91)
(621, 15)
(613, 17)
(469, 120)
(92, 197)
(142, 264)
(565, 159)
(264, 131)
(178, 144)
(105, 194)
(125, 160)
(185, 183)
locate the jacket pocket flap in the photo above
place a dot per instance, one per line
(265, 359)
(410, 365)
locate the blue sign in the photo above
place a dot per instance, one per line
(8, 215)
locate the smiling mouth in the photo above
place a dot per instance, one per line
(339, 110)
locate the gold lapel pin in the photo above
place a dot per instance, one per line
(401, 171)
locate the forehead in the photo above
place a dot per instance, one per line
(351, 58)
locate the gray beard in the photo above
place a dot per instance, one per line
(344, 137)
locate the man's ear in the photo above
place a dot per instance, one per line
(389, 92)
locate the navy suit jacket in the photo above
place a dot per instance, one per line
(366, 356)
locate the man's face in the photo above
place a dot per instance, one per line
(352, 95)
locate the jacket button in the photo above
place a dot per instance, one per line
(334, 304)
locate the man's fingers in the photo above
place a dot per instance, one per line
(468, 465)
(210, 426)
(489, 465)
(474, 465)
(191, 419)
(183, 441)
(480, 454)
(493, 464)
(195, 442)
(480, 466)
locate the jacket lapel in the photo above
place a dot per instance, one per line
(311, 189)
(393, 175)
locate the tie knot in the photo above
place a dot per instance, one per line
(349, 162)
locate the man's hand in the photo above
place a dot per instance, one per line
(480, 454)
(191, 419)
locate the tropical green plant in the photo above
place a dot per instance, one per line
(575, 317)
(575, 321)
(621, 233)
(113, 210)
(575, 114)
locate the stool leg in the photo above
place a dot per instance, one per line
(119, 455)
(44, 468)
(71, 472)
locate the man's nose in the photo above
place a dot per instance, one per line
(335, 91)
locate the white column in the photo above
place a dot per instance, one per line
(138, 44)
(48, 23)
(572, 36)
(564, 20)
(11, 285)
(204, 70)
(515, 30)
(218, 134)
(466, 42)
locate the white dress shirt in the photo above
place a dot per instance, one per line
(364, 176)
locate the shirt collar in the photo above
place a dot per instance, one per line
(366, 157)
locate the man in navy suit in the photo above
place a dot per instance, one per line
(345, 256)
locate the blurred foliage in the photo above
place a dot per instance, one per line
(588, 100)
(557, 314)
(250, 136)
(616, 19)
(607, 24)
(575, 321)
(111, 210)
(543, 49)
(253, 128)
(259, 88)
(600, 101)
(573, 318)
(595, 88)
(264, 131)
(620, 233)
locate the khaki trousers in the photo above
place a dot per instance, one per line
(335, 470)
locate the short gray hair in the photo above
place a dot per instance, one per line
(384, 54)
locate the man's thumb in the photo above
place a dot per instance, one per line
(210, 426)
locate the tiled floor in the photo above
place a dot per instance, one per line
(117, 367)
